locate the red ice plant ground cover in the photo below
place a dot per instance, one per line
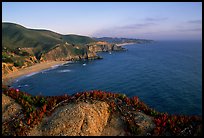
(36, 107)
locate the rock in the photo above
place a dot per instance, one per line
(144, 122)
(81, 119)
(115, 127)
(9, 108)
(68, 52)
(8, 68)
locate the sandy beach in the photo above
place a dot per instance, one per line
(8, 79)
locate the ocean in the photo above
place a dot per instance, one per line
(166, 75)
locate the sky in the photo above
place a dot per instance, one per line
(142, 20)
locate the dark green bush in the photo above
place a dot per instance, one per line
(24, 53)
(79, 51)
(6, 58)
(18, 63)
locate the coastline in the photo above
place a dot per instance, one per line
(9, 78)
(123, 44)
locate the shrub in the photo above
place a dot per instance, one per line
(79, 51)
(24, 53)
(18, 64)
(6, 58)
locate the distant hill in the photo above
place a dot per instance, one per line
(122, 40)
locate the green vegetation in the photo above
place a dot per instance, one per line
(6, 58)
(15, 36)
(77, 39)
(19, 52)
(77, 51)
(19, 43)
(18, 61)
(18, 64)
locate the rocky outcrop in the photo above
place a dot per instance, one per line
(29, 61)
(144, 122)
(79, 119)
(103, 46)
(68, 52)
(82, 119)
(9, 108)
(8, 68)
(114, 127)
(87, 116)
(88, 119)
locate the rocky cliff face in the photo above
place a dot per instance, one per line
(68, 52)
(82, 119)
(77, 52)
(103, 46)
(8, 68)
(61, 52)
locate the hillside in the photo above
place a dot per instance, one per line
(23, 47)
(15, 36)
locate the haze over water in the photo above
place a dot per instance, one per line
(167, 76)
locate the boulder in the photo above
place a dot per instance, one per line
(144, 122)
(79, 119)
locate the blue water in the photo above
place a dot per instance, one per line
(167, 76)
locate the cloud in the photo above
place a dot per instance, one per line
(155, 30)
(190, 26)
(156, 19)
(195, 21)
(126, 30)
(190, 30)
(138, 26)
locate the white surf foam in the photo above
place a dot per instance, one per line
(65, 70)
(31, 74)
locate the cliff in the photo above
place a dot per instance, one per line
(103, 46)
(23, 47)
(69, 52)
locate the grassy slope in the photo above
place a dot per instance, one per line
(14, 36)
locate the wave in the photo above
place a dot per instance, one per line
(56, 66)
(52, 67)
(67, 63)
(31, 74)
(65, 70)
(25, 76)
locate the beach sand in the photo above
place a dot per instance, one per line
(9, 78)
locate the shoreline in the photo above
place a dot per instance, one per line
(123, 44)
(9, 78)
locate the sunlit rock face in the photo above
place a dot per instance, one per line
(81, 119)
